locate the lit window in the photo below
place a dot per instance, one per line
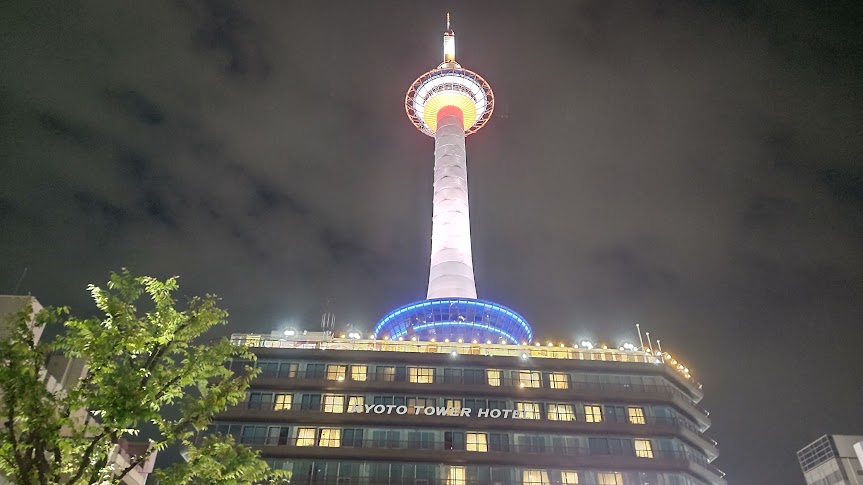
(560, 412)
(477, 442)
(568, 478)
(455, 475)
(331, 437)
(636, 415)
(643, 449)
(306, 437)
(356, 401)
(334, 403)
(592, 413)
(454, 404)
(609, 478)
(336, 372)
(416, 403)
(421, 375)
(283, 402)
(534, 477)
(359, 372)
(528, 410)
(528, 378)
(558, 380)
(493, 376)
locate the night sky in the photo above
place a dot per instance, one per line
(693, 167)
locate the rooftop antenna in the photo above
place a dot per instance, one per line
(447, 22)
(328, 319)
(20, 280)
(640, 338)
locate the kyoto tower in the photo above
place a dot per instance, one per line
(449, 103)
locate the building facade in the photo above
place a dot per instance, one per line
(355, 412)
(63, 373)
(453, 390)
(833, 459)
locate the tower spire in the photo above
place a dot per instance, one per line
(448, 43)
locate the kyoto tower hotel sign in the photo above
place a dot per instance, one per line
(449, 103)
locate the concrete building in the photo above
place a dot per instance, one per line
(455, 390)
(63, 373)
(833, 459)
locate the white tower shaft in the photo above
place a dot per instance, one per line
(451, 272)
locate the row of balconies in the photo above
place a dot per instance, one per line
(577, 391)
(653, 426)
(527, 456)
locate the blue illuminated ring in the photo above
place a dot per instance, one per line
(455, 318)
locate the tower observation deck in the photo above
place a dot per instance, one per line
(449, 103)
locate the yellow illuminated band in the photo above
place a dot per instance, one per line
(459, 100)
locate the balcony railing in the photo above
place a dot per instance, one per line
(441, 448)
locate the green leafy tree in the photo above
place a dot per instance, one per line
(146, 365)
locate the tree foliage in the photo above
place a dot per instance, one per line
(146, 365)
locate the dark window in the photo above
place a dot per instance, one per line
(474, 376)
(260, 400)
(315, 371)
(284, 435)
(497, 404)
(452, 376)
(268, 369)
(598, 446)
(311, 402)
(453, 440)
(253, 435)
(531, 444)
(498, 442)
(476, 404)
(420, 439)
(239, 365)
(615, 414)
(401, 374)
(352, 438)
(382, 400)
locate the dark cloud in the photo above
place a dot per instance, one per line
(694, 167)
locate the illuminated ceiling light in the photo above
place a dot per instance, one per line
(386, 337)
(454, 353)
(446, 340)
(524, 356)
(674, 362)
(413, 339)
(433, 339)
(536, 343)
(524, 343)
(401, 339)
(488, 342)
(474, 341)
(550, 344)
